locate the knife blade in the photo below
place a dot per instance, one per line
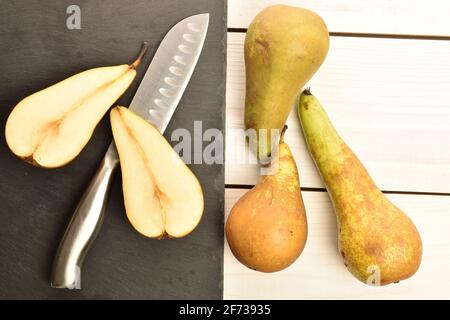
(155, 100)
(170, 70)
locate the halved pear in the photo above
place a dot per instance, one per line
(162, 196)
(51, 127)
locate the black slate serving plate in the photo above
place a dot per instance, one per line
(36, 204)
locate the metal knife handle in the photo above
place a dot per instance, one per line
(83, 228)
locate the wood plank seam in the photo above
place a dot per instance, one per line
(369, 35)
(249, 186)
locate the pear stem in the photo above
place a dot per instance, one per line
(282, 133)
(144, 48)
(307, 91)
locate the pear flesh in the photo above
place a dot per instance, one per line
(267, 227)
(378, 242)
(162, 196)
(51, 127)
(284, 47)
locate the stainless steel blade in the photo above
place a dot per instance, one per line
(170, 70)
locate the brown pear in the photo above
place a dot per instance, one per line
(267, 227)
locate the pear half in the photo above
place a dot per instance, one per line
(51, 127)
(162, 196)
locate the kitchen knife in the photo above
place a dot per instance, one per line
(155, 100)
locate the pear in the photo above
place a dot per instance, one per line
(284, 47)
(52, 126)
(162, 196)
(378, 242)
(267, 227)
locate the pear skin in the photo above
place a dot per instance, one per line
(267, 227)
(378, 242)
(50, 128)
(284, 47)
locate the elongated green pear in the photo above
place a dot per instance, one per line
(284, 47)
(50, 128)
(379, 243)
(267, 227)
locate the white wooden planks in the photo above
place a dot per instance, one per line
(408, 17)
(319, 272)
(389, 99)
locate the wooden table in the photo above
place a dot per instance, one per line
(386, 87)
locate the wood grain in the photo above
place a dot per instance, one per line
(407, 17)
(389, 100)
(319, 272)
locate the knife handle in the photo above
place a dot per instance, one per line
(83, 228)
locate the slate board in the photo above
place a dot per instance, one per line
(36, 204)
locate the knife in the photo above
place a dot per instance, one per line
(155, 100)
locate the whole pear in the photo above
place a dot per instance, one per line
(378, 242)
(284, 47)
(267, 227)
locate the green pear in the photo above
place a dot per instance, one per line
(379, 242)
(284, 47)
